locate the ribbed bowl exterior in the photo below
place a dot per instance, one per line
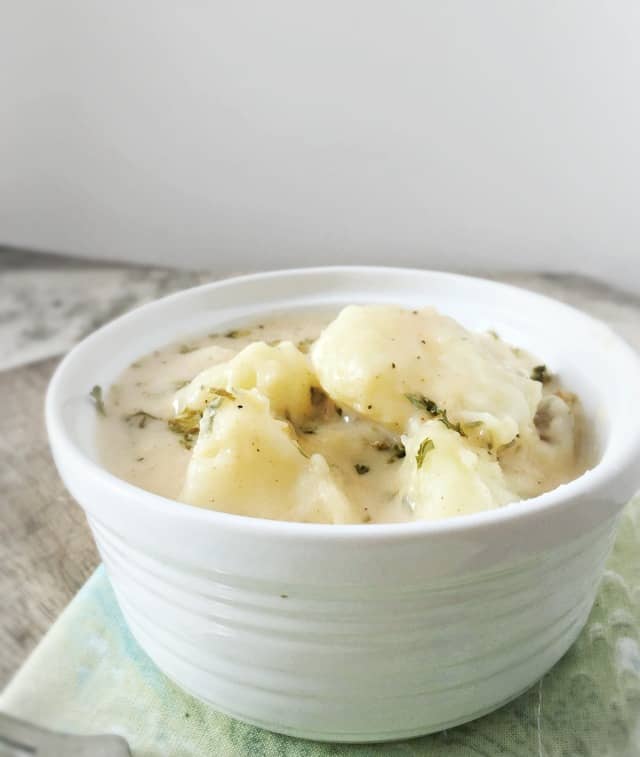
(357, 662)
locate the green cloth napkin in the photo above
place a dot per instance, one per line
(88, 675)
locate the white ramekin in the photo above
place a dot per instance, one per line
(365, 632)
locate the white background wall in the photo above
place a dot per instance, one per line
(243, 134)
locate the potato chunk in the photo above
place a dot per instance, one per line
(444, 475)
(281, 373)
(371, 357)
(249, 463)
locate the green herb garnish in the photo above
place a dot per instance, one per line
(141, 417)
(398, 451)
(96, 396)
(304, 344)
(222, 393)
(422, 403)
(361, 469)
(541, 374)
(187, 423)
(426, 446)
(184, 349)
(429, 406)
(237, 333)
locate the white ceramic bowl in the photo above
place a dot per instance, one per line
(363, 632)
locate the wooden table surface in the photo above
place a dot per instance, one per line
(46, 304)
(45, 545)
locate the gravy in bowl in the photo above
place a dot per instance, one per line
(375, 414)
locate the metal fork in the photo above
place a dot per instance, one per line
(21, 739)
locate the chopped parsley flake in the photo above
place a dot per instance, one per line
(397, 448)
(141, 417)
(398, 451)
(222, 393)
(361, 469)
(426, 446)
(96, 396)
(187, 423)
(304, 344)
(541, 374)
(430, 407)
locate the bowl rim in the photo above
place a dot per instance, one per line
(590, 480)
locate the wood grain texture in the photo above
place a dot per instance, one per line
(46, 550)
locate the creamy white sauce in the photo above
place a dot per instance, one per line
(363, 447)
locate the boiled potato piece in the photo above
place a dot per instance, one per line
(249, 463)
(544, 453)
(371, 357)
(444, 475)
(281, 373)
